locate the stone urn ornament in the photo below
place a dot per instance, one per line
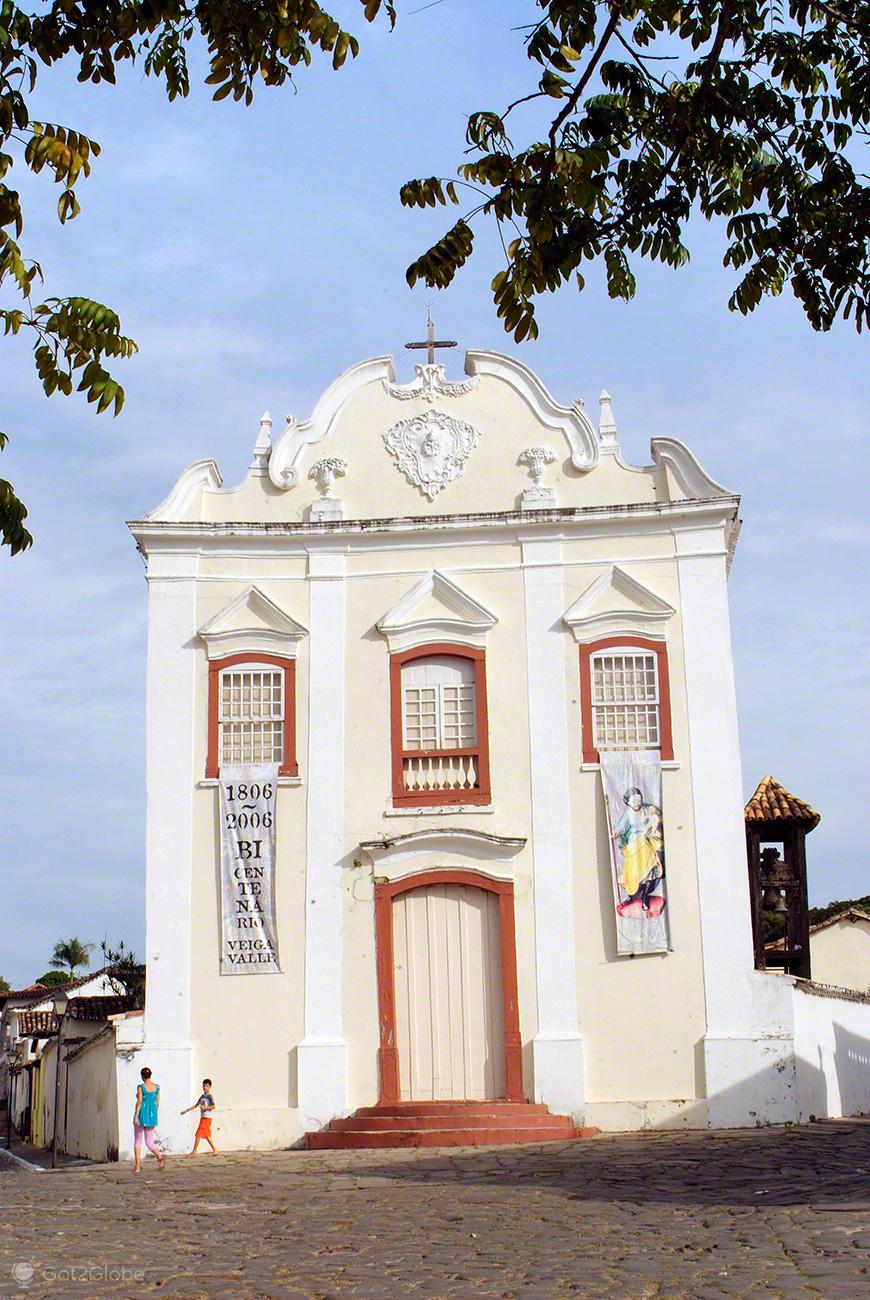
(536, 459)
(325, 471)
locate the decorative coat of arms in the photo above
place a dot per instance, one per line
(431, 449)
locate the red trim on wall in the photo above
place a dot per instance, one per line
(388, 1052)
(482, 795)
(660, 650)
(290, 766)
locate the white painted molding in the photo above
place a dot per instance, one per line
(290, 447)
(250, 623)
(571, 421)
(202, 474)
(431, 382)
(669, 453)
(441, 810)
(443, 847)
(212, 782)
(465, 620)
(637, 611)
(326, 509)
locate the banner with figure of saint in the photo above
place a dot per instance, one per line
(249, 934)
(632, 781)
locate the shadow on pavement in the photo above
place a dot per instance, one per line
(826, 1163)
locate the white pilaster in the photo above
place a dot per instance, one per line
(322, 1087)
(557, 1046)
(169, 777)
(747, 1047)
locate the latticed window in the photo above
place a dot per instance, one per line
(625, 700)
(251, 715)
(439, 704)
(439, 727)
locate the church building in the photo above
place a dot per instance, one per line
(445, 805)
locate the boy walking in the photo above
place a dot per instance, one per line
(206, 1108)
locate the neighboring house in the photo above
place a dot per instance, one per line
(840, 950)
(380, 871)
(28, 1046)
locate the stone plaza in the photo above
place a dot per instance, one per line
(772, 1212)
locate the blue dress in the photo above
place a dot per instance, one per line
(148, 1107)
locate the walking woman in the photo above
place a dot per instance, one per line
(145, 1120)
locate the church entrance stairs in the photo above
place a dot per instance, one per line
(445, 1124)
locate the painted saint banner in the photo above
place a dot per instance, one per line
(632, 781)
(249, 934)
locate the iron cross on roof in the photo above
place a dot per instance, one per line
(431, 344)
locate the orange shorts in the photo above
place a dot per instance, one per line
(204, 1127)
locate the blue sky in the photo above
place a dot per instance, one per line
(254, 254)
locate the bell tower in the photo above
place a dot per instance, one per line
(777, 824)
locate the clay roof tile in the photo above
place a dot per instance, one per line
(773, 803)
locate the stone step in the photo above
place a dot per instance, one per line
(520, 1110)
(329, 1140)
(450, 1120)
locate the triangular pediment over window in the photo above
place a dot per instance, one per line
(252, 622)
(614, 604)
(435, 609)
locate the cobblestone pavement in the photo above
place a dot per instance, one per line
(768, 1213)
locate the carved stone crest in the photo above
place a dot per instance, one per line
(431, 382)
(431, 449)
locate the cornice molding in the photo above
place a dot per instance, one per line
(299, 434)
(571, 421)
(186, 539)
(465, 620)
(440, 847)
(639, 611)
(670, 453)
(202, 474)
(264, 627)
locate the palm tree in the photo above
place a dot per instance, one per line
(70, 953)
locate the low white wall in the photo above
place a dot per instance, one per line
(832, 1051)
(91, 1105)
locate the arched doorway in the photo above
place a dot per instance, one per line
(447, 988)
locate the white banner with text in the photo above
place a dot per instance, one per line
(249, 934)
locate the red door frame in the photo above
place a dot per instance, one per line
(388, 1052)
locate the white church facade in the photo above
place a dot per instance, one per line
(408, 643)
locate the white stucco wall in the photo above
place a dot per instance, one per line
(840, 954)
(91, 1102)
(832, 1053)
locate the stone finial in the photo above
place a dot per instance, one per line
(262, 447)
(326, 471)
(537, 458)
(608, 430)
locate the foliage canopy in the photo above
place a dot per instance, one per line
(68, 954)
(52, 978)
(748, 112)
(643, 113)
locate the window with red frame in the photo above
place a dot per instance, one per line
(252, 713)
(439, 726)
(625, 696)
